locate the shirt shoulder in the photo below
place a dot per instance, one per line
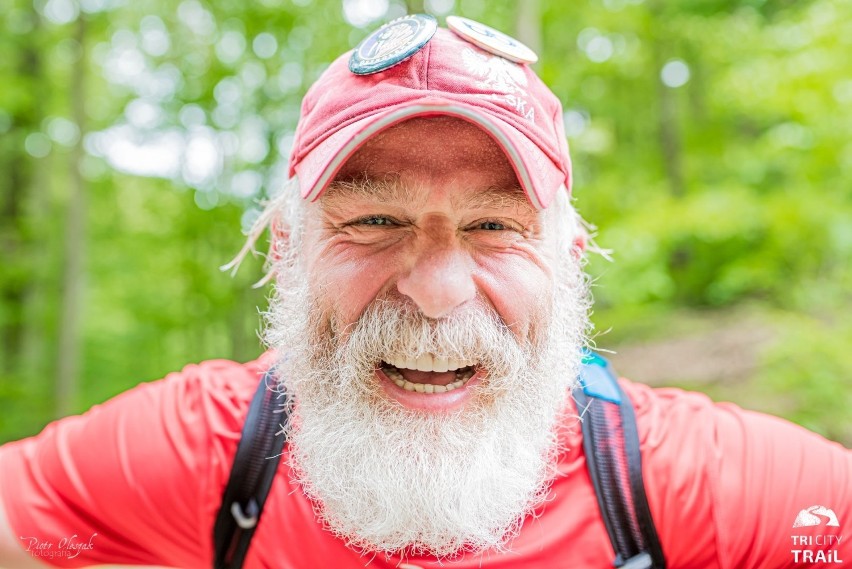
(725, 484)
(142, 473)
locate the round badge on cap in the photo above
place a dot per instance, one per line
(491, 40)
(393, 43)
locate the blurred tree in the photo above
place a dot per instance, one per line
(21, 185)
(74, 252)
(528, 24)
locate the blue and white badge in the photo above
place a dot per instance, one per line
(393, 43)
(491, 40)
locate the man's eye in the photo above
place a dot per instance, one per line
(492, 226)
(375, 220)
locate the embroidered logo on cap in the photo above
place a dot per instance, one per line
(393, 43)
(491, 40)
(500, 76)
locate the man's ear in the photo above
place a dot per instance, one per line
(580, 242)
(279, 239)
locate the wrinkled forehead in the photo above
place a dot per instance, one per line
(398, 191)
(427, 152)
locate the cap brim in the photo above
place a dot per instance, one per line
(539, 177)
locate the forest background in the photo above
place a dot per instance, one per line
(711, 146)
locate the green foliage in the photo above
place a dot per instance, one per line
(724, 246)
(810, 367)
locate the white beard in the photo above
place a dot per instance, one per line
(389, 479)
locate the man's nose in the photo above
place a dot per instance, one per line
(439, 281)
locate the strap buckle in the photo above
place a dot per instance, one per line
(246, 519)
(641, 561)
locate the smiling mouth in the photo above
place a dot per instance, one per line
(428, 374)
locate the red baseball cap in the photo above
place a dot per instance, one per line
(448, 76)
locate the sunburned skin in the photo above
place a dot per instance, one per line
(430, 209)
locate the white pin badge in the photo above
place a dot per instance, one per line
(491, 40)
(393, 43)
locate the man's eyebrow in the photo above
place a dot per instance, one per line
(388, 188)
(495, 198)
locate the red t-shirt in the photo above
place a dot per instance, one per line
(138, 480)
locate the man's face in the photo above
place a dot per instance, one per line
(431, 324)
(430, 214)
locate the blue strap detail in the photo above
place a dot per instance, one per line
(597, 378)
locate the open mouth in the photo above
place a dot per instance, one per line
(428, 373)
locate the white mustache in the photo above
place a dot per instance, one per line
(397, 330)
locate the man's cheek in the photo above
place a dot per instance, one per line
(518, 294)
(345, 300)
(350, 286)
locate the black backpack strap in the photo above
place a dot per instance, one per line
(252, 473)
(611, 445)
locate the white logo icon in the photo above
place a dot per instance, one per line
(502, 76)
(816, 516)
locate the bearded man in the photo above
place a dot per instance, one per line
(429, 316)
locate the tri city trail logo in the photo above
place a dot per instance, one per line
(816, 536)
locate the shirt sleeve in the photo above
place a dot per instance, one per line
(726, 486)
(136, 480)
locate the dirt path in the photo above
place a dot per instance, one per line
(725, 354)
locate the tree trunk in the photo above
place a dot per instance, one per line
(528, 24)
(74, 247)
(12, 244)
(415, 6)
(36, 358)
(668, 127)
(670, 143)
(16, 234)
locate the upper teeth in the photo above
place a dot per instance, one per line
(428, 362)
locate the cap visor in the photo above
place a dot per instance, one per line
(539, 177)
